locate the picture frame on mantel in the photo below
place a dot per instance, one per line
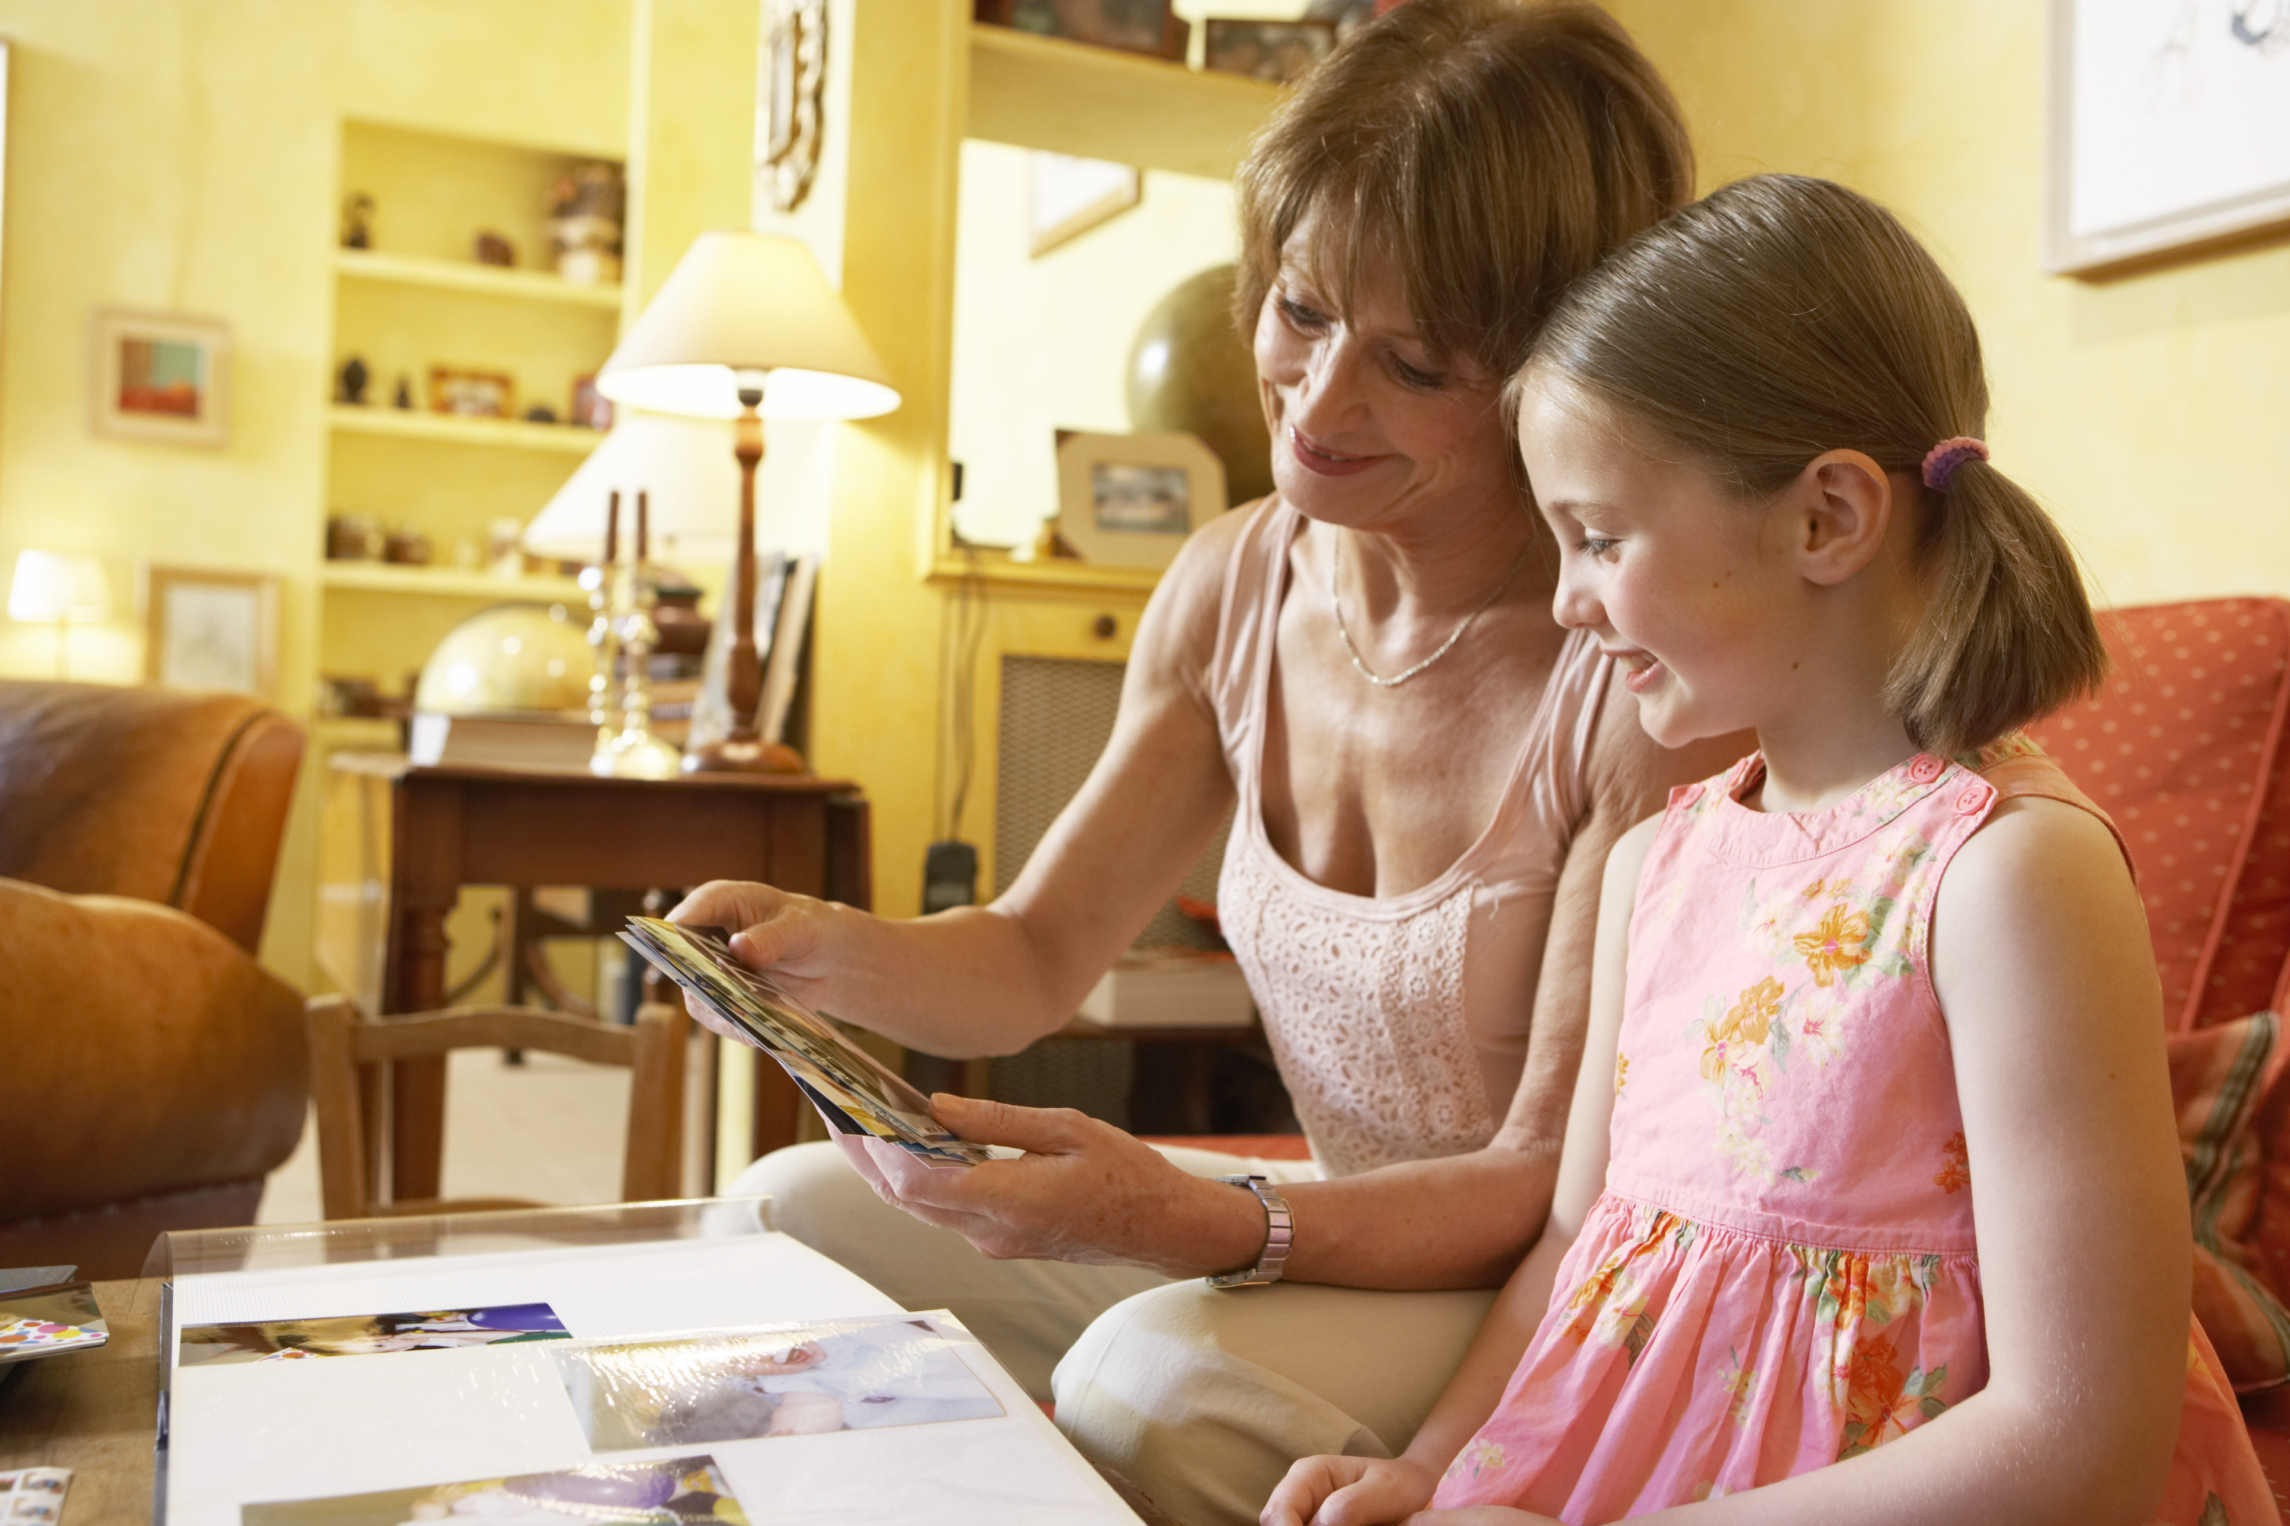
(1129, 500)
(2168, 131)
(160, 377)
(1066, 196)
(210, 629)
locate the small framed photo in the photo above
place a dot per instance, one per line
(1066, 197)
(1129, 500)
(1278, 52)
(205, 629)
(161, 377)
(1135, 26)
(472, 394)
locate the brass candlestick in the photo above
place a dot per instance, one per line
(635, 752)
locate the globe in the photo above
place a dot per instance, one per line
(1190, 370)
(509, 657)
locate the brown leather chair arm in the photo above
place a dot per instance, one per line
(227, 869)
(141, 1052)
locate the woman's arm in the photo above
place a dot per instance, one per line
(991, 980)
(1087, 1191)
(2040, 956)
(1350, 1491)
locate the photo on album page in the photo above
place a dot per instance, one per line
(278, 1340)
(668, 1490)
(846, 1375)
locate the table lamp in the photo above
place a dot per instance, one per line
(66, 589)
(746, 327)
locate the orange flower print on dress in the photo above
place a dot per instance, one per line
(1955, 1171)
(1621, 1073)
(1880, 1404)
(1839, 943)
(1747, 1024)
(1481, 1456)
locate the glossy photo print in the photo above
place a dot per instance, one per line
(674, 1491)
(370, 1334)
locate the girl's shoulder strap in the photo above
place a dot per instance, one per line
(2015, 767)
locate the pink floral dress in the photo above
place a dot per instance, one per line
(1781, 1272)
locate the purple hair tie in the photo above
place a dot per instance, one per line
(1941, 461)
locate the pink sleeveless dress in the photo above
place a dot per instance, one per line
(1402, 1023)
(1781, 1272)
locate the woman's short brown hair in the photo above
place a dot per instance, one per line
(1783, 317)
(1493, 150)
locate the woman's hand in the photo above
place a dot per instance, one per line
(792, 938)
(1350, 1491)
(1084, 1191)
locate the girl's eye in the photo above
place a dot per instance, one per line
(1308, 320)
(1598, 546)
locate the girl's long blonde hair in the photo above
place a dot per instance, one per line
(1784, 316)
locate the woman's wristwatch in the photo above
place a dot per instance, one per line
(1279, 1230)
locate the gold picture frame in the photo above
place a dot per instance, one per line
(1129, 500)
(209, 629)
(160, 377)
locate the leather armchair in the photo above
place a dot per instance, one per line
(151, 1073)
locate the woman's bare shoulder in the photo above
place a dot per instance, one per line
(1178, 633)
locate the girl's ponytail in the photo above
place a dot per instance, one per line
(1781, 317)
(2006, 633)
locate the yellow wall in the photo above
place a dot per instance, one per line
(182, 156)
(2149, 412)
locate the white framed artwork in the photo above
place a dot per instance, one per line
(1066, 196)
(2168, 129)
(211, 630)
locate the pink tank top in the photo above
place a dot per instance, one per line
(1400, 1023)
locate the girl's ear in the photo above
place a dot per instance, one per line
(1842, 505)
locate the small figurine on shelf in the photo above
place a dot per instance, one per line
(402, 397)
(493, 249)
(540, 413)
(352, 538)
(406, 546)
(591, 409)
(353, 378)
(584, 224)
(358, 221)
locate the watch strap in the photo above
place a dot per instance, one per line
(1279, 1233)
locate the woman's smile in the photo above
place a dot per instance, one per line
(1327, 463)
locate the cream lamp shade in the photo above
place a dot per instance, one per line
(685, 467)
(51, 586)
(748, 310)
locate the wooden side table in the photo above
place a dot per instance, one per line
(94, 1412)
(400, 842)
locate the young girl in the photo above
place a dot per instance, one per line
(1871, 1162)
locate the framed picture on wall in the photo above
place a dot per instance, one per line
(1277, 52)
(205, 629)
(2168, 130)
(1129, 500)
(157, 376)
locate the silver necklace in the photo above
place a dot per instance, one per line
(1336, 607)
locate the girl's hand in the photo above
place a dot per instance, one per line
(795, 1359)
(1351, 1491)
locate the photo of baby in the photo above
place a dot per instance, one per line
(370, 1334)
(851, 1375)
(675, 1491)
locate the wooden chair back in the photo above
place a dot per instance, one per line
(349, 1053)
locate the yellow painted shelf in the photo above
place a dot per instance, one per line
(998, 569)
(464, 275)
(412, 424)
(1099, 103)
(447, 582)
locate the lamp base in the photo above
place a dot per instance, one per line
(744, 755)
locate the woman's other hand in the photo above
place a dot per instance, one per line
(1349, 1491)
(1084, 1191)
(791, 938)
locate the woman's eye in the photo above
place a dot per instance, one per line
(1415, 376)
(1307, 319)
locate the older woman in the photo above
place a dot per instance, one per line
(1427, 778)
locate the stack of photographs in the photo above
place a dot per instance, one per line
(854, 1092)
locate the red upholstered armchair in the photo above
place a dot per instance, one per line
(2185, 749)
(151, 1072)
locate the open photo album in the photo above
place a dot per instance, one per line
(853, 1091)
